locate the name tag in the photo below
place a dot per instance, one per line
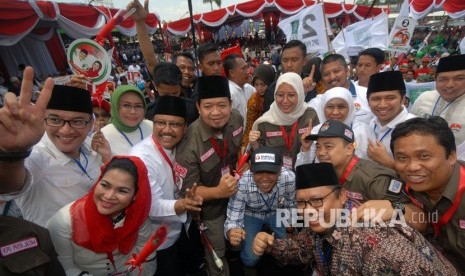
(274, 133)
(206, 155)
(354, 195)
(19, 246)
(180, 170)
(462, 223)
(237, 131)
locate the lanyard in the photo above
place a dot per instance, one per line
(436, 104)
(78, 162)
(445, 218)
(289, 140)
(324, 256)
(127, 138)
(384, 135)
(348, 169)
(269, 206)
(221, 154)
(165, 156)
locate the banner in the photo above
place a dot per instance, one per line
(414, 90)
(308, 26)
(363, 34)
(402, 30)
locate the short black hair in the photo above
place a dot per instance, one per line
(229, 63)
(166, 73)
(206, 49)
(332, 58)
(376, 53)
(296, 43)
(183, 54)
(433, 125)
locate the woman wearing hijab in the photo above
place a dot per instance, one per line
(128, 126)
(263, 76)
(337, 104)
(98, 233)
(288, 118)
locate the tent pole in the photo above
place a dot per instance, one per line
(369, 10)
(189, 2)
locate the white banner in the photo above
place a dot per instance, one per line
(402, 30)
(414, 90)
(363, 34)
(308, 26)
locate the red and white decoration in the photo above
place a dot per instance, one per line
(421, 8)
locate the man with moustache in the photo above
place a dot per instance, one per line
(207, 156)
(333, 248)
(425, 157)
(158, 153)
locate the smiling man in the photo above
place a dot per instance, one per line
(386, 93)
(333, 249)
(62, 166)
(448, 100)
(265, 188)
(425, 156)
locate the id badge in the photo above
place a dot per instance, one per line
(287, 162)
(225, 170)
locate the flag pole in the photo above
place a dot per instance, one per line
(369, 10)
(189, 3)
(326, 27)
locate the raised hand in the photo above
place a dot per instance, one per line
(262, 242)
(141, 11)
(22, 122)
(101, 146)
(306, 144)
(309, 83)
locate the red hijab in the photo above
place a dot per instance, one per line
(95, 232)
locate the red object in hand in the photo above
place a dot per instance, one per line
(243, 159)
(119, 17)
(157, 238)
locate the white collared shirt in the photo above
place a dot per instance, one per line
(163, 190)
(383, 133)
(119, 143)
(56, 179)
(240, 96)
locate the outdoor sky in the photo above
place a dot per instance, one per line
(171, 10)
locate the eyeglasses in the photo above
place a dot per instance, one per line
(315, 202)
(58, 122)
(173, 125)
(130, 107)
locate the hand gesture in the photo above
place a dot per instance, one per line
(254, 135)
(101, 146)
(262, 242)
(309, 83)
(141, 11)
(227, 186)
(192, 201)
(22, 122)
(236, 235)
(306, 144)
(79, 81)
(377, 152)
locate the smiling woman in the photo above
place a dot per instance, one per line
(99, 232)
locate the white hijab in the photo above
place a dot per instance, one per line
(341, 93)
(275, 116)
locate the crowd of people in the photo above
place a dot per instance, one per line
(311, 165)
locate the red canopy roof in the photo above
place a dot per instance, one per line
(421, 8)
(19, 18)
(254, 8)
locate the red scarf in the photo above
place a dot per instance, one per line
(95, 232)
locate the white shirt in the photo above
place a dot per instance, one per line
(363, 112)
(163, 190)
(119, 140)
(239, 97)
(383, 133)
(430, 103)
(75, 258)
(56, 179)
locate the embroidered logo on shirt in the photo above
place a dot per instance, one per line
(357, 106)
(180, 170)
(237, 131)
(354, 195)
(456, 127)
(19, 246)
(207, 154)
(462, 223)
(395, 186)
(303, 130)
(274, 133)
